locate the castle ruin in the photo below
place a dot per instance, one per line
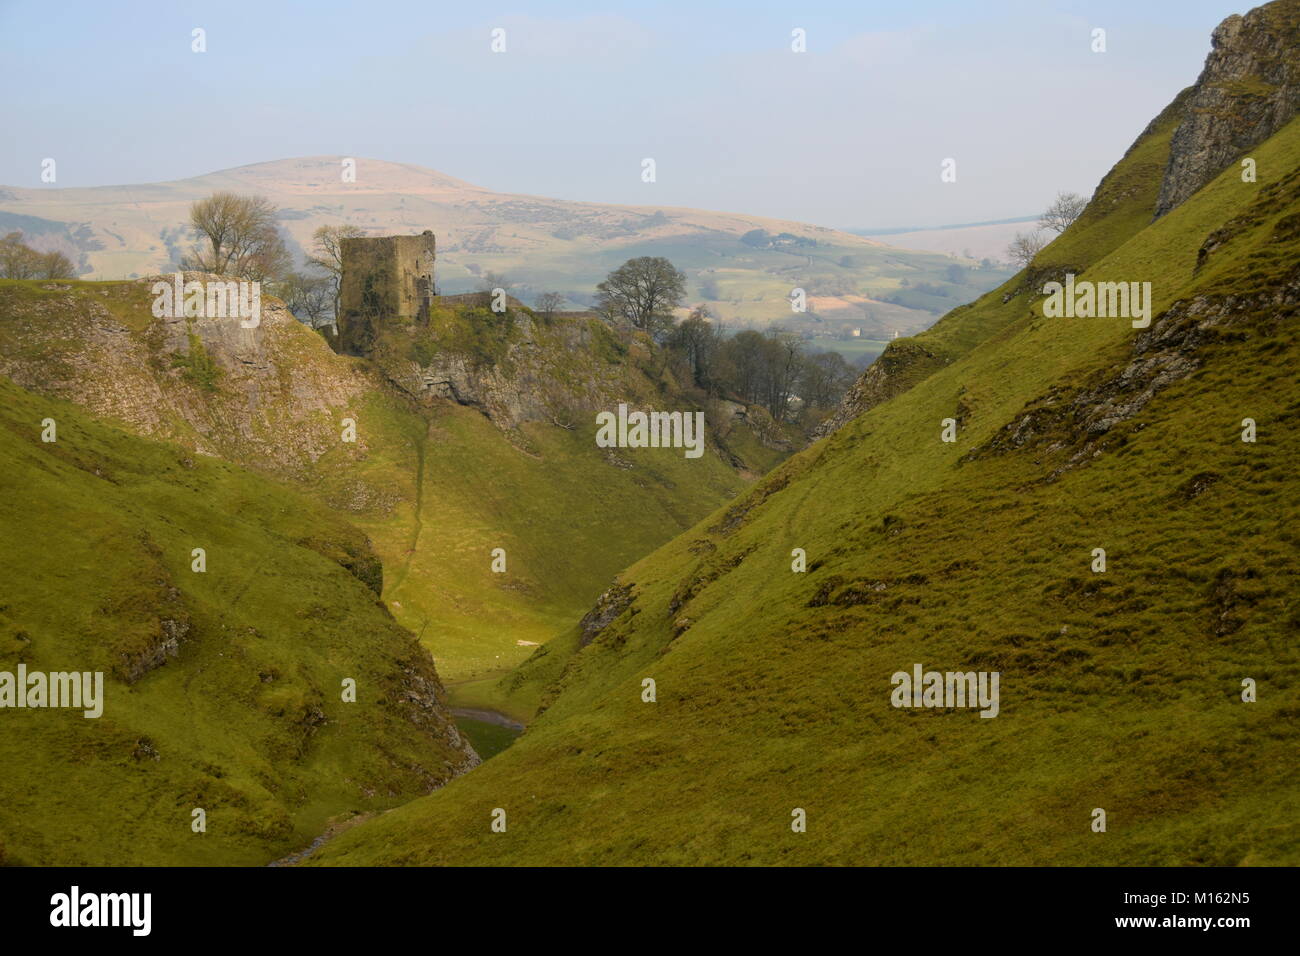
(385, 278)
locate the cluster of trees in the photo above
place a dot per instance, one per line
(759, 368)
(1066, 208)
(238, 236)
(762, 239)
(20, 261)
(762, 368)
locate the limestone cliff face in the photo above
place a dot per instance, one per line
(276, 397)
(274, 394)
(517, 367)
(1248, 90)
(513, 367)
(419, 695)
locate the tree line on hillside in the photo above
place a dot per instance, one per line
(771, 369)
(20, 261)
(762, 239)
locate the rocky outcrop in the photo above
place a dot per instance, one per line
(510, 390)
(517, 367)
(902, 364)
(172, 630)
(1248, 90)
(1083, 423)
(153, 619)
(513, 367)
(421, 698)
(273, 394)
(609, 607)
(724, 416)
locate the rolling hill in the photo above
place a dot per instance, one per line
(537, 244)
(968, 241)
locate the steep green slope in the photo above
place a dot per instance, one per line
(564, 516)
(474, 434)
(1121, 207)
(513, 465)
(222, 688)
(1119, 690)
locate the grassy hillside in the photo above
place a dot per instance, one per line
(1120, 690)
(223, 689)
(566, 518)
(435, 484)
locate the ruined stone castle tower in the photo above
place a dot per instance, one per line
(385, 279)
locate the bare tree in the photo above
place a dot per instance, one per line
(643, 291)
(784, 360)
(489, 281)
(20, 261)
(824, 379)
(17, 260)
(327, 255)
(1065, 208)
(1024, 247)
(308, 297)
(697, 339)
(54, 265)
(548, 303)
(237, 236)
(739, 365)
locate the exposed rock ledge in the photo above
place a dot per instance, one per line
(1248, 90)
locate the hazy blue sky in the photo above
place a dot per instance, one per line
(850, 133)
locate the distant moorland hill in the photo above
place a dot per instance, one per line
(743, 267)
